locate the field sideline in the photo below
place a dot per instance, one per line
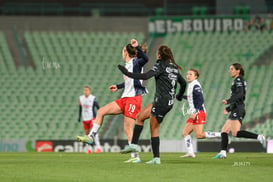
(110, 167)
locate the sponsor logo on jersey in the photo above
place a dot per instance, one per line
(170, 102)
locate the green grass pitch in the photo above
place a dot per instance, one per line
(243, 167)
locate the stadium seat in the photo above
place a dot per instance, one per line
(44, 101)
(216, 51)
(49, 95)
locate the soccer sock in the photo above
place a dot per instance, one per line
(136, 134)
(224, 142)
(155, 146)
(210, 134)
(97, 141)
(224, 152)
(94, 130)
(246, 134)
(259, 137)
(133, 154)
(188, 142)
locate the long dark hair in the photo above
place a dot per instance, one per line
(238, 66)
(166, 54)
(131, 50)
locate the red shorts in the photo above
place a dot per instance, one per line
(87, 125)
(130, 106)
(201, 118)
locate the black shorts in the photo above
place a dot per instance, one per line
(237, 114)
(160, 108)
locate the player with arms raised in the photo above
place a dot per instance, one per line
(130, 102)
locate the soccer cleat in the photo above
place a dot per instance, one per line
(188, 155)
(137, 160)
(98, 150)
(86, 139)
(155, 160)
(129, 149)
(262, 140)
(88, 151)
(133, 160)
(220, 156)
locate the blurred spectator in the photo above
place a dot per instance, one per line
(271, 24)
(262, 24)
(256, 23)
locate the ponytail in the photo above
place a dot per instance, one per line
(172, 59)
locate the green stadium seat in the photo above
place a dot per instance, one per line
(45, 101)
(216, 51)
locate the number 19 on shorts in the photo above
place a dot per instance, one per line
(132, 108)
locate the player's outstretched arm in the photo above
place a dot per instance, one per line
(113, 88)
(144, 58)
(134, 42)
(141, 76)
(120, 85)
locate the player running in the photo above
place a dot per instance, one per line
(87, 106)
(237, 111)
(198, 113)
(166, 76)
(130, 102)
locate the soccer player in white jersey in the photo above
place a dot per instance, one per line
(130, 102)
(198, 113)
(87, 106)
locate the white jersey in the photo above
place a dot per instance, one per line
(195, 97)
(133, 87)
(129, 90)
(87, 107)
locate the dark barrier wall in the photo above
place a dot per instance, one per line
(113, 24)
(116, 146)
(150, 3)
(75, 146)
(242, 146)
(103, 7)
(133, 8)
